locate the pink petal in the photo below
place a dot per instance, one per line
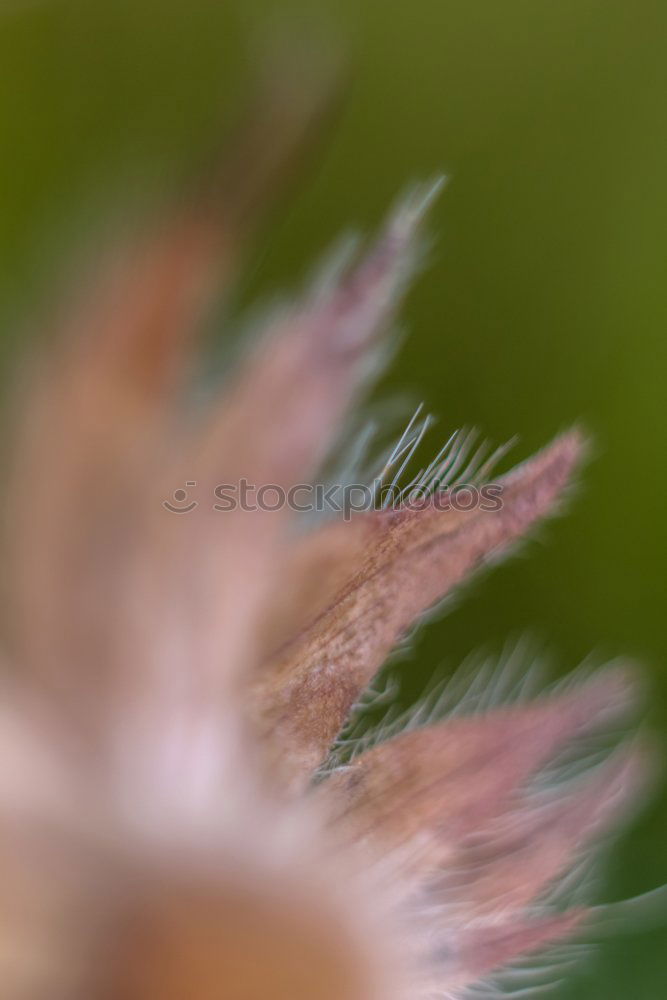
(438, 786)
(509, 861)
(412, 560)
(486, 949)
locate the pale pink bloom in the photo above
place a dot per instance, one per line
(174, 683)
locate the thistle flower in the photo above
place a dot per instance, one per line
(175, 683)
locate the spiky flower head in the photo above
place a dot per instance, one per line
(176, 677)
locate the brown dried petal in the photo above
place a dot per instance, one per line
(317, 567)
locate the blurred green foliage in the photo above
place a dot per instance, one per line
(544, 303)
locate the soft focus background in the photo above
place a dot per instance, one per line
(545, 301)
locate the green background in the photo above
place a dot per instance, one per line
(545, 301)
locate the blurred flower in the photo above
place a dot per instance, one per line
(175, 684)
